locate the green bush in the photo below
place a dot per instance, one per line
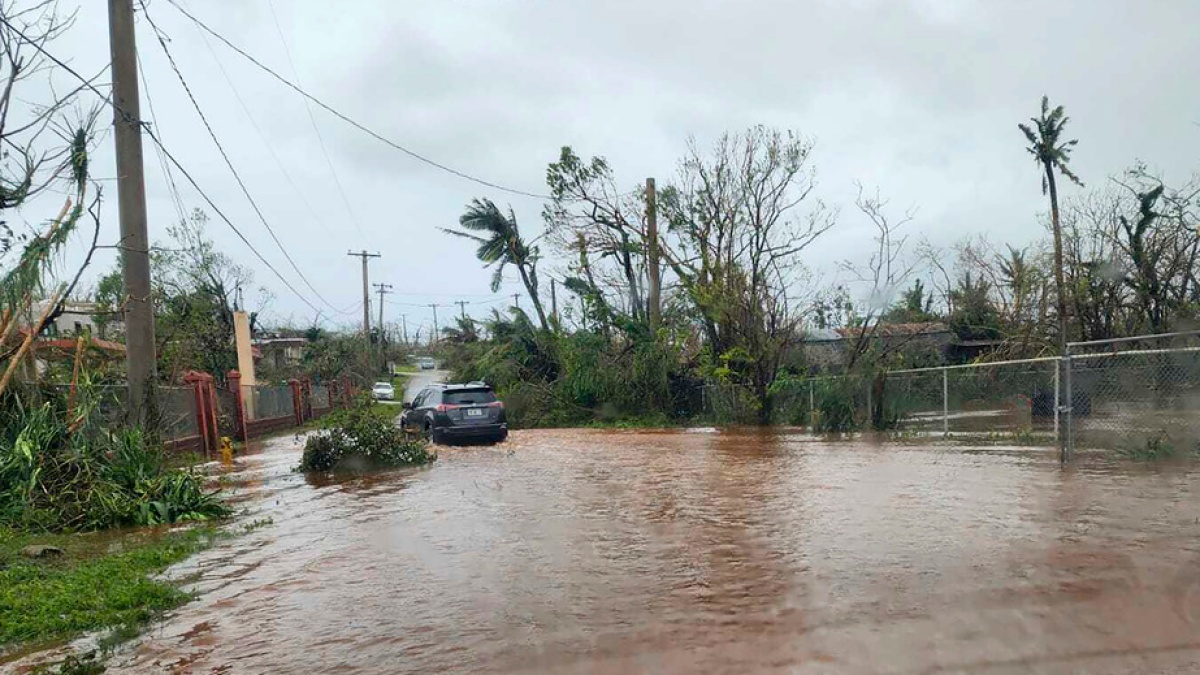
(358, 439)
(64, 470)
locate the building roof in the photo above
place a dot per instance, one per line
(901, 329)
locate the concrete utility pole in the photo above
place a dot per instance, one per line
(131, 203)
(652, 253)
(382, 290)
(434, 338)
(366, 290)
(404, 328)
(462, 308)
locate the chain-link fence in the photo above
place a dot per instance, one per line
(1135, 395)
(177, 412)
(268, 401)
(319, 396)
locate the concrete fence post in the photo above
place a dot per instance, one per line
(205, 412)
(306, 393)
(239, 404)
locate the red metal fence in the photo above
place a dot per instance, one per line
(244, 412)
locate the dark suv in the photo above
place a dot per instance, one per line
(457, 412)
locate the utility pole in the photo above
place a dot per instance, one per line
(652, 254)
(462, 309)
(554, 298)
(382, 290)
(404, 328)
(517, 300)
(433, 338)
(366, 290)
(131, 204)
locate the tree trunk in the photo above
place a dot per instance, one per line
(1059, 291)
(531, 288)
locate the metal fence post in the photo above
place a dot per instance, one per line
(1068, 444)
(945, 402)
(1057, 400)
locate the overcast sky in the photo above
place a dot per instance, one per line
(920, 98)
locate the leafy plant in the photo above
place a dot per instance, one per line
(357, 439)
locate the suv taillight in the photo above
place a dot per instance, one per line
(496, 404)
(443, 407)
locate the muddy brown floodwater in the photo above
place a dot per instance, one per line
(700, 551)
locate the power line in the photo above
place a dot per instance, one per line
(294, 87)
(258, 130)
(173, 189)
(154, 137)
(311, 118)
(229, 163)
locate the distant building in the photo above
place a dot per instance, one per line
(930, 344)
(80, 317)
(280, 352)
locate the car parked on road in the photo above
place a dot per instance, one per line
(383, 391)
(447, 413)
(426, 363)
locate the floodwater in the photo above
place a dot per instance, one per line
(699, 551)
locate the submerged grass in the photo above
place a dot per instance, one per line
(102, 581)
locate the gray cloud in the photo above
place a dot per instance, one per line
(920, 98)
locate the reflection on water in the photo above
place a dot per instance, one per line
(724, 551)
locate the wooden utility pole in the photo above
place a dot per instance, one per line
(366, 289)
(517, 300)
(652, 253)
(462, 308)
(434, 337)
(382, 290)
(131, 205)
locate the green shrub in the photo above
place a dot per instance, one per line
(63, 471)
(359, 439)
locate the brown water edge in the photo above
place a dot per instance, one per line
(699, 551)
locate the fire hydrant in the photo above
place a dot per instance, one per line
(226, 450)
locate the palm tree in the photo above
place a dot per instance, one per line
(501, 245)
(1051, 153)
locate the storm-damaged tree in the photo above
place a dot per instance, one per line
(500, 244)
(738, 218)
(1052, 154)
(43, 145)
(602, 229)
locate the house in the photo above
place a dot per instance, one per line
(925, 344)
(79, 318)
(279, 352)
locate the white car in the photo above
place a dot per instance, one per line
(426, 363)
(384, 391)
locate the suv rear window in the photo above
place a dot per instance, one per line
(468, 396)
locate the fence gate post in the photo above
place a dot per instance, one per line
(239, 404)
(1069, 446)
(945, 402)
(297, 402)
(1057, 399)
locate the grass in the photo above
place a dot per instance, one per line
(102, 582)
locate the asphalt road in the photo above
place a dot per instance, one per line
(421, 379)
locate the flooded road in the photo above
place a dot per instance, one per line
(699, 551)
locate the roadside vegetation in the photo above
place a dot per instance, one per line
(743, 326)
(361, 438)
(98, 581)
